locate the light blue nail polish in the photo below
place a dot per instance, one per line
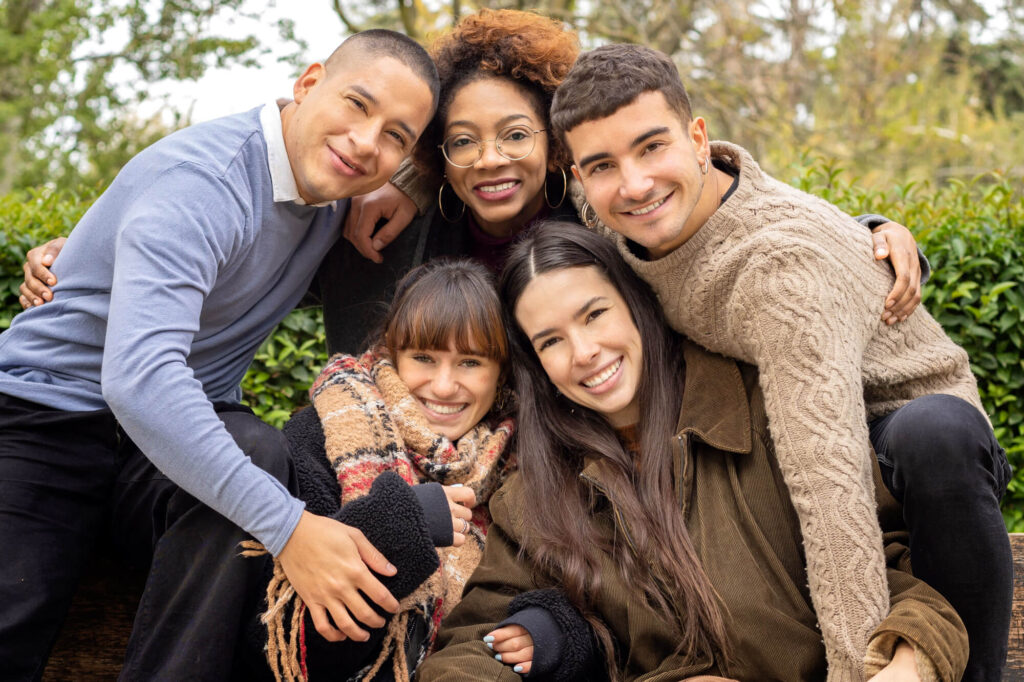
(489, 645)
(497, 657)
(489, 638)
(517, 669)
(455, 485)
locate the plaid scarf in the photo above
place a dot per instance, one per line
(373, 424)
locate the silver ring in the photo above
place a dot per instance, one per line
(465, 527)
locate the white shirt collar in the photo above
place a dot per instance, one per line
(281, 177)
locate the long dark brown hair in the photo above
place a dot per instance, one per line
(555, 435)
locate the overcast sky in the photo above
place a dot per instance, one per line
(227, 91)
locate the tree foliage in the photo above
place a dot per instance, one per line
(73, 72)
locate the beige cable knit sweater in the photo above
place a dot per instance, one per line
(785, 281)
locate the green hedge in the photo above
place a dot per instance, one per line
(973, 234)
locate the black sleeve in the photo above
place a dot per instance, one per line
(564, 646)
(437, 512)
(318, 484)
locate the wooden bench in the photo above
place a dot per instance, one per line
(91, 645)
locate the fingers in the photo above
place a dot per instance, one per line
(323, 624)
(901, 248)
(513, 645)
(377, 563)
(400, 219)
(359, 224)
(879, 245)
(460, 495)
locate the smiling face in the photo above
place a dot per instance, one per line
(582, 331)
(641, 171)
(502, 195)
(453, 390)
(349, 128)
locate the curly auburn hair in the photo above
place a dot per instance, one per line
(532, 51)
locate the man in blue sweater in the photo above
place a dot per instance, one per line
(119, 402)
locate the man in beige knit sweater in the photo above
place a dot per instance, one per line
(752, 268)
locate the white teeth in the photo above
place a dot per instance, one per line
(647, 209)
(604, 376)
(497, 188)
(444, 409)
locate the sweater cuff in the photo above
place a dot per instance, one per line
(577, 650)
(873, 220)
(392, 520)
(413, 185)
(436, 512)
(548, 640)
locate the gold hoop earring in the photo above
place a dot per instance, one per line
(565, 189)
(440, 205)
(585, 215)
(707, 165)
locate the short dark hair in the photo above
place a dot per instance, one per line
(380, 42)
(611, 77)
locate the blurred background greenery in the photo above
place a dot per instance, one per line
(910, 108)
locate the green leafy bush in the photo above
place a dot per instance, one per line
(973, 234)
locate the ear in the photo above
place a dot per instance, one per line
(313, 74)
(698, 132)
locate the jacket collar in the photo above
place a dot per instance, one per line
(715, 405)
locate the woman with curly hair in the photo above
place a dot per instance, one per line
(485, 168)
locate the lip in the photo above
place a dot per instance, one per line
(442, 417)
(657, 212)
(501, 195)
(344, 164)
(609, 383)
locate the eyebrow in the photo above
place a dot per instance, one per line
(636, 141)
(502, 122)
(582, 309)
(373, 100)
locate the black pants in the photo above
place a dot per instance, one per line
(939, 458)
(66, 479)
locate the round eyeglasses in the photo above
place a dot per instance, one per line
(514, 143)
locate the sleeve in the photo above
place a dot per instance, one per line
(873, 220)
(563, 642)
(461, 654)
(437, 513)
(801, 315)
(168, 251)
(392, 520)
(415, 186)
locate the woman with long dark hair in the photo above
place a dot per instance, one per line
(649, 490)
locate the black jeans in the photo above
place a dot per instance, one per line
(66, 478)
(941, 461)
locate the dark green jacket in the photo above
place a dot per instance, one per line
(744, 530)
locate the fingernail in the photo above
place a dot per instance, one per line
(391, 567)
(489, 638)
(378, 244)
(490, 646)
(517, 669)
(497, 657)
(455, 485)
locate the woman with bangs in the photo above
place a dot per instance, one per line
(406, 443)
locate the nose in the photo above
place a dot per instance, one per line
(364, 138)
(635, 184)
(584, 349)
(444, 384)
(489, 156)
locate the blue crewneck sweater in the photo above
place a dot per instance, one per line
(167, 287)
